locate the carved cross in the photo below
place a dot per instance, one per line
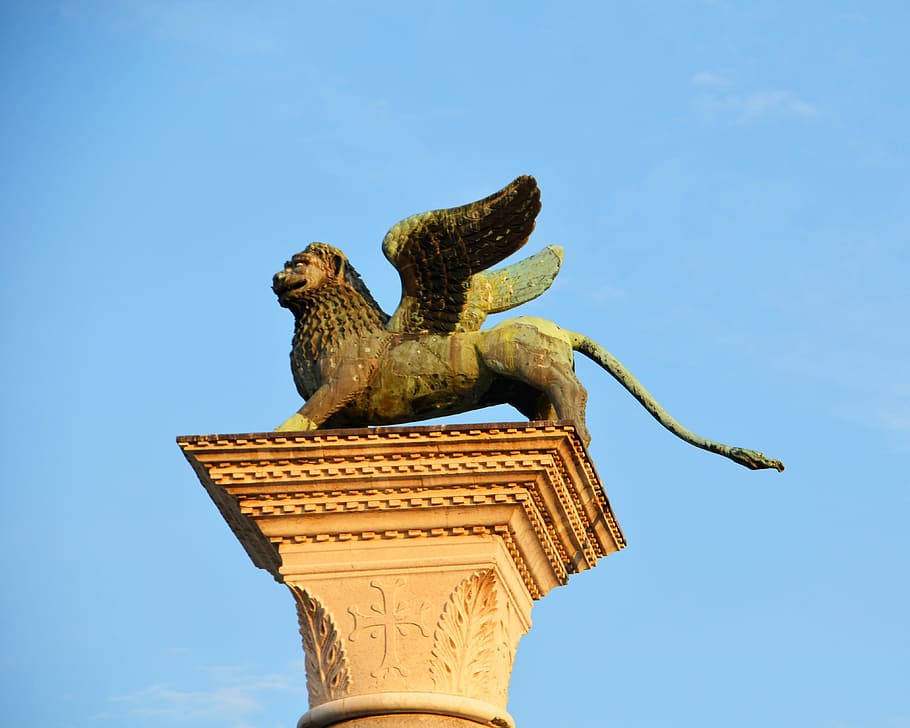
(391, 619)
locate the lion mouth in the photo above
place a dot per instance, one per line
(288, 285)
(284, 281)
(279, 281)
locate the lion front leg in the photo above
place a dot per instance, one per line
(324, 402)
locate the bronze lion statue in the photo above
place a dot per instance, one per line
(356, 366)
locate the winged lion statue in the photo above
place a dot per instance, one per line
(356, 366)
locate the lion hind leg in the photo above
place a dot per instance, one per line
(569, 398)
(545, 363)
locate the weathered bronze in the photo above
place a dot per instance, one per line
(355, 365)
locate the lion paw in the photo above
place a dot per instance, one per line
(296, 423)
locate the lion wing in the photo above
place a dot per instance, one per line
(443, 257)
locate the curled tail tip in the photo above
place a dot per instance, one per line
(770, 463)
(755, 460)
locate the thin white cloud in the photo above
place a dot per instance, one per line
(233, 696)
(606, 294)
(890, 419)
(878, 401)
(770, 104)
(717, 97)
(895, 420)
(210, 25)
(774, 102)
(708, 79)
(853, 17)
(165, 702)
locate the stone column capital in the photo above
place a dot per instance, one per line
(414, 553)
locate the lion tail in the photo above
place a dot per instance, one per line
(594, 351)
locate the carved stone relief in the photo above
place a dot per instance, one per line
(328, 676)
(391, 619)
(471, 647)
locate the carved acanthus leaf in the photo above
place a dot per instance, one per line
(465, 644)
(327, 674)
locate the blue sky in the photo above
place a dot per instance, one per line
(730, 183)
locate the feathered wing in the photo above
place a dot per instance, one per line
(443, 257)
(503, 288)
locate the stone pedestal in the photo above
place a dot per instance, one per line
(414, 555)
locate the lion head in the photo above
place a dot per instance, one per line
(316, 266)
(322, 270)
